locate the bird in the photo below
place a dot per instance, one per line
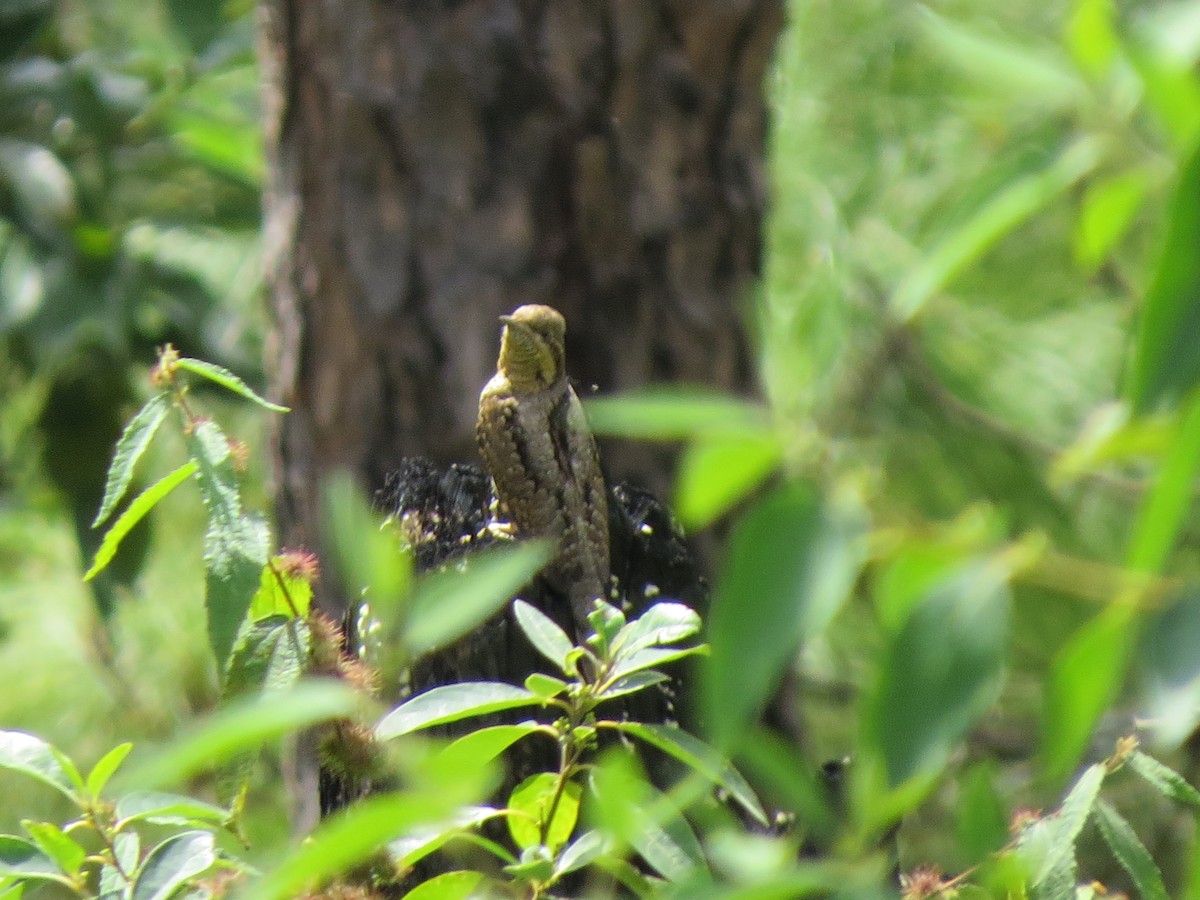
(536, 446)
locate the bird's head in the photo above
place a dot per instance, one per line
(532, 347)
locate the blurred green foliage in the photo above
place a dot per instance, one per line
(970, 531)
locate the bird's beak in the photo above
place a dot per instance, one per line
(507, 320)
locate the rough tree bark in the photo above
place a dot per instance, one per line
(435, 164)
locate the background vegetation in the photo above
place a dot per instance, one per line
(978, 343)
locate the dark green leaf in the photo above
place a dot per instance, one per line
(699, 756)
(173, 863)
(134, 513)
(1130, 852)
(1167, 358)
(227, 380)
(235, 546)
(448, 604)
(451, 703)
(130, 446)
(791, 566)
(34, 757)
(940, 672)
(547, 638)
(22, 859)
(1169, 782)
(272, 656)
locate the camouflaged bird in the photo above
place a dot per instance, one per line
(538, 449)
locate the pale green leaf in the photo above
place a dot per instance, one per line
(450, 703)
(227, 380)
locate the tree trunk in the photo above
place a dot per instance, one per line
(433, 165)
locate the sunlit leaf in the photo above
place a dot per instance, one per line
(60, 847)
(533, 800)
(462, 885)
(674, 413)
(699, 756)
(1084, 678)
(411, 848)
(105, 767)
(662, 623)
(167, 809)
(130, 447)
(134, 513)
(1106, 214)
(173, 863)
(34, 757)
(227, 380)
(485, 744)
(450, 703)
(448, 604)
(549, 640)
(717, 472)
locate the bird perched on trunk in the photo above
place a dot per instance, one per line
(541, 455)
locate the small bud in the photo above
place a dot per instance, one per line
(240, 452)
(163, 373)
(1022, 818)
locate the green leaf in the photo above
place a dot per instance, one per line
(547, 638)
(272, 656)
(1168, 782)
(235, 545)
(473, 750)
(939, 673)
(227, 380)
(130, 446)
(240, 726)
(982, 816)
(699, 756)
(113, 881)
(1130, 852)
(32, 756)
(583, 851)
(60, 847)
(1107, 212)
(281, 592)
(160, 808)
(406, 851)
(1165, 507)
(674, 413)
(1167, 359)
(347, 838)
(1085, 676)
(1066, 824)
(20, 858)
(999, 215)
(654, 656)
(461, 885)
(662, 623)
(631, 684)
(791, 565)
(173, 863)
(451, 703)
(533, 798)
(715, 473)
(1091, 36)
(134, 513)
(448, 604)
(105, 767)
(544, 686)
